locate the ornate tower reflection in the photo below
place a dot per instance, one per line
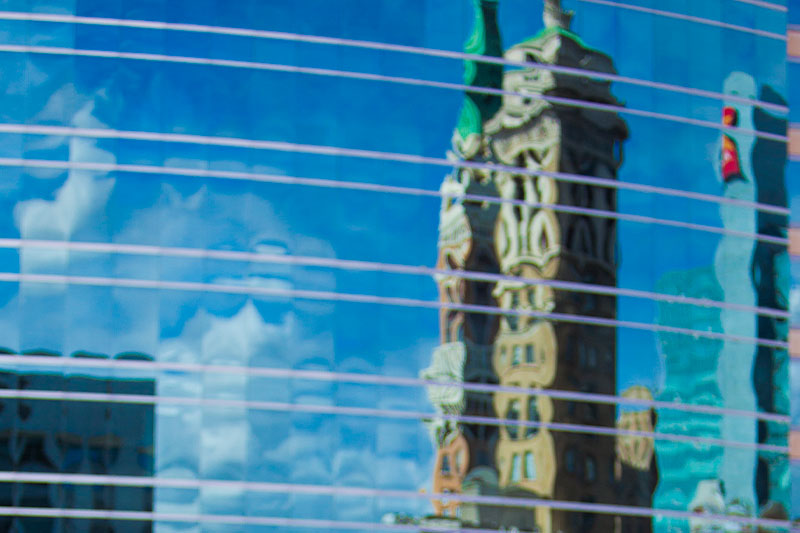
(532, 240)
(539, 242)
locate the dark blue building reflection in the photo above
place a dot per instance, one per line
(39, 436)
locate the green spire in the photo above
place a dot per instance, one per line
(485, 40)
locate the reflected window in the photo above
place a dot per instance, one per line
(519, 193)
(34, 457)
(445, 464)
(591, 469)
(72, 452)
(512, 413)
(144, 458)
(113, 452)
(530, 466)
(517, 359)
(569, 461)
(544, 244)
(592, 355)
(516, 468)
(591, 412)
(483, 458)
(23, 411)
(533, 416)
(6, 460)
(98, 455)
(589, 303)
(529, 353)
(513, 320)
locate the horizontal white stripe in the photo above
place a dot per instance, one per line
(230, 255)
(61, 363)
(689, 18)
(335, 490)
(283, 146)
(191, 286)
(389, 47)
(765, 5)
(313, 71)
(340, 184)
(369, 412)
(315, 524)
(321, 525)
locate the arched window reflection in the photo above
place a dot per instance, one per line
(512, 414)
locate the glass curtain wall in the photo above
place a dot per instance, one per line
(400, 265)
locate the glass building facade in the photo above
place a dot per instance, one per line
(400, 265)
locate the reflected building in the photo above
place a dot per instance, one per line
(726, 372)
(466, 243)
(531, 243)
(75, 437)
(683, 466)
(635, 469)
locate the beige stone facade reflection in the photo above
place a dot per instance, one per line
(546, 234)
(549, 241)
(636, 450)
(451, 468)
(635, 468)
